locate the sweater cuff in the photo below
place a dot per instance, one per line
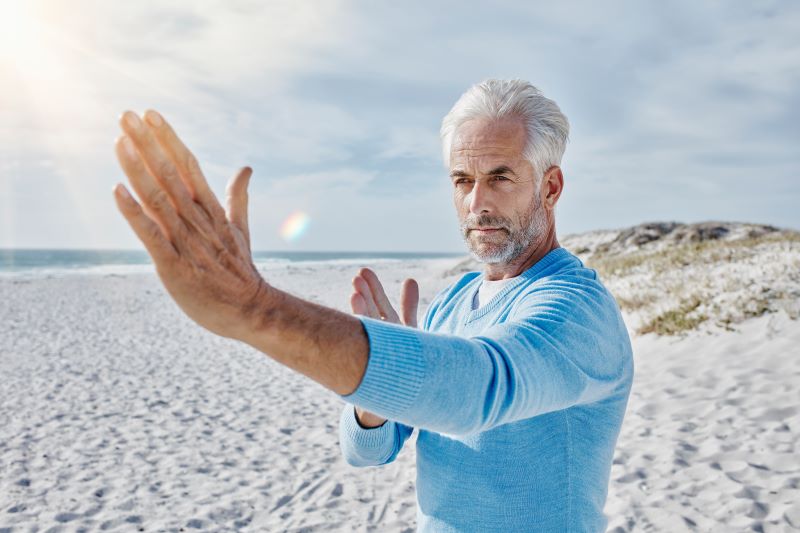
(364, 438)
(395, 370)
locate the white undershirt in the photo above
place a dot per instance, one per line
(488, 290)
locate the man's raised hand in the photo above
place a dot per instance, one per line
(201, 252)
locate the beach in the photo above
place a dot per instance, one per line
(119, 413)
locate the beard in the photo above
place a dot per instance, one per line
(507, 244)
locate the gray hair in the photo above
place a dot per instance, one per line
(547, 127)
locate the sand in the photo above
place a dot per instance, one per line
(120, 414)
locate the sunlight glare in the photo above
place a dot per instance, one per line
(21, 35)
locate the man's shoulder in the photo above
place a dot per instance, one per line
(575, 284)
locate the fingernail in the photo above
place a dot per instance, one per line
(133, 120)
(122, 191)
(153, 118)
(127, 145)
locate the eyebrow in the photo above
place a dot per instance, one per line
(497, 171)
(502, 169)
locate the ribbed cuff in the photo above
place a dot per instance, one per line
(395, 370)
(363, 438)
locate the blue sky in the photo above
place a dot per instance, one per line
(688, 111)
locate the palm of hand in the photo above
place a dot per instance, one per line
(369, 299)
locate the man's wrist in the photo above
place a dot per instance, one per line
(367, 420)
(260, 313)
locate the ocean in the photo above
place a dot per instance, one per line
(20, 261)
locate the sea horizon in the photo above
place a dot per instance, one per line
(15, 261)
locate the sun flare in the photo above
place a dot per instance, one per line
(21, 35)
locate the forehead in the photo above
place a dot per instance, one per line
(488, 141)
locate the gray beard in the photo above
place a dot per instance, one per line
(516, 243)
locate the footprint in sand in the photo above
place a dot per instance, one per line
(636, 475)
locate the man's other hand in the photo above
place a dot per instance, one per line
(369, 299)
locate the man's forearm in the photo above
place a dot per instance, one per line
(324, 344)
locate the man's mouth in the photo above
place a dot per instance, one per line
(486, 230)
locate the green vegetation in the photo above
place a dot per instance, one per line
(675, 321)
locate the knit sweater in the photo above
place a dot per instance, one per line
(518, 404)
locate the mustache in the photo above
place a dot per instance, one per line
(484, 221)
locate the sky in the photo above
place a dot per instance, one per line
(685, 111)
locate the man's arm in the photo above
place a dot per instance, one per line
(565, 345)
(202, 255)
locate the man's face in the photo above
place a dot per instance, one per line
(498, 206)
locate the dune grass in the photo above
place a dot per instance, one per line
(720, 281)
(675, 321)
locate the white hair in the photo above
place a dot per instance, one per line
(546, 125)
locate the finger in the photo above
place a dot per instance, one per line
(185, 162)
(157, 161)
(363, 289)
(154, 198)
(237, 201)
(357, 304)
(158, 246)
(379, 295)
(409, 302)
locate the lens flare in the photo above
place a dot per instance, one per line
(294, 226)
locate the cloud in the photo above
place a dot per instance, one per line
(675, 111)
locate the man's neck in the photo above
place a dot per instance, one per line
(498, 271)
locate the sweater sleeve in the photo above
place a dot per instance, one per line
(370, 446)
(563, 346)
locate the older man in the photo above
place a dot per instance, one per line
(519, 377)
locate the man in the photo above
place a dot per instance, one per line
(519, 377)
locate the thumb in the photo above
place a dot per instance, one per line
(236, 210)
(409, 301)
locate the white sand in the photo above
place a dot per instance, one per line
(710, 441)
(118, 413)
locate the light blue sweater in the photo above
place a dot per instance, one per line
(518, 403)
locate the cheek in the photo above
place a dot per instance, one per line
(463, 197)
(459, 200)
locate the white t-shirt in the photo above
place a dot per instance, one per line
(488, 290)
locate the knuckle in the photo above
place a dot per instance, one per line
(158, 199)
(153, 232)
(223, 256)
(199, 269)
(165, 169)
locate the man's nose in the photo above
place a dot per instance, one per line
(480, 200)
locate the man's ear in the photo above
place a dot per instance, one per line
(553, 184)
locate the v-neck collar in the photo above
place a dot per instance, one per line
(474, 314)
